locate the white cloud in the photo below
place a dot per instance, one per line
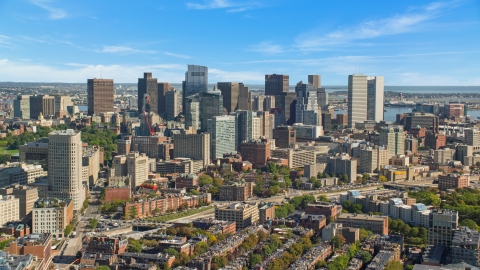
(32, 39)
(238, 76)
(5, 42)
(223, 4)
(123, 50)
(396, 24)
(55, 13)
(267, 47)
(182, 56)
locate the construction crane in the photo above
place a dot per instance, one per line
(146, 102)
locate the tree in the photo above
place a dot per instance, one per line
(185, 232)
(338, 241)
(382, 178)
(134, 246)
(93, 223)
(365, 178)
(271, 167)
(102, 267)
(254, 259)
(393, 265)
(469, 223)
(133, 211)
(323, 198)
(364, 234)
(366, 256)
(194, 191)
(204, 180)
(171, 252)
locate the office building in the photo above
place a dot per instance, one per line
(288, 102)
(434, 140)
(266, 213)
(91, 159)
(236, 192)
(20, 173)
(100, 96)
(322, 99)
(472, 137)
(194, 146)
(342, 165)
(243, 214)
(466, 246)
(259, 103)
(21, 107)
(268, 103)
(248, 126)
(10, 209)
(244, 98)
(455, 110)
(211, 104)
(179, 165)
(307, 132)
(327, 121)
(149, 145)
(223, 135)
(52, 216)
(196, 81)
(453, 181)
(297, 158)
(443, 156)
(35, 152)
(62, 102)
(279, 116)
(323, 208)
(235, 96)
(422, 120)
(42, 105)
(135, 165)
(442, 226)
(35, 244)
(376, 224)
(65, 166)
(256, 151)
(315, 80)
(162, 88)
(373, 159)
(276, 84)
(394, 139)
(357, 99)
(27, 196)
(192, 112)
(266, 124)
(172, 107)
(375, 98)
(284, 136)
(148, 86)
(307, 107)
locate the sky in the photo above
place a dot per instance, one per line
(408, 42)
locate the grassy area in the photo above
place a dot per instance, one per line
(10, 152)
(169, 217)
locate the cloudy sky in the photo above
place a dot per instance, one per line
(408, 42)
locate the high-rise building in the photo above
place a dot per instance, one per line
(211, 104)
(62, 102)
(327, 121)
(10, 208)
(223, 133)
(256, 151)
(357, 99)
(284, 136)
(394, 139)
(42, 105)
(442, 226)
(472, 137)
(375, 87)
(172, 108)
(230, 92)
(134, 165)
(373, 158)
(196, 81)
(192, 112)
(162, 87)
(248, 126)
(322, 98)
(268, 103)
(315, 80)
(343, 165)
(21, 107)
(194, 146)
(100, 96)
(244, 98)
(65, 166)
(258, 103)
(148, 86)
(307, 107)
(288, 102)
(276, 84)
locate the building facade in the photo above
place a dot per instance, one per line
(100, 96)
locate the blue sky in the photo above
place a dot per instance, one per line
(408, 42)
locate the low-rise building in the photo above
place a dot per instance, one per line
(10, 209)
(314, 222)
(158, 259)
(27, 196)
(376, 224)
(466, 246)
(117, 193)
(20, 173)
(266, 213)
(106, 245)
(244, 214)
(452, 181)
(52, 216)
(236, 192)
(186, 181)
(37, 245)
(323, 208)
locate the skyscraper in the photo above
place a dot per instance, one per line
(287, 101)
(172, 104)
(230, 91)
(196, 81)
(322, 98)
(194, 146)
(307, 107)
(276, 84)
(211, 104)
(223, 133)
(100, 96)
(162, 87)
(148, 86)
(192, 112)
(394, 139)
(43, 104)
(244, 98)
(375, 87)
(21, 107)
(316, 80)
(65, 166)
(357, 99)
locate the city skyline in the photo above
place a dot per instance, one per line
(410, 43)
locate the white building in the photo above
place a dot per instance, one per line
(20, 173)
(223, 135)
(357, 99)
(10, 209)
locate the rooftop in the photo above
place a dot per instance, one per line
(361, 217)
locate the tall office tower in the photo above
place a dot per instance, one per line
(172, 99)
(322, 98)
(148, 86)
(375, 86)
(244, 98)
(327, 121)
(100, 96)
(21, 107)
(357, 99)
(307, 107)
(223, 133)
(162, 87)
(288, 102)
(194, 146)
(268, 103)
(266, 126)
(248, 126)
(230, 92)
(472, 137)
(394, 139)
(65, 166)
(258, 103)
(279, 117)
(42, 104)
(62, 102)
(316, 80)
(211, 104)
(196, 81)
(276, 84)
(192, 112)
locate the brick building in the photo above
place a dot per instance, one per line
(117, 193)
(266, 212)
(236, 192)
(284, 136)
(186, 181)
(435, 141)
(452, 181)
(376, 224)
(37, 245)
(211, 224)
(314, 222)
(256, 151)
(323, 208)
(107, 245)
